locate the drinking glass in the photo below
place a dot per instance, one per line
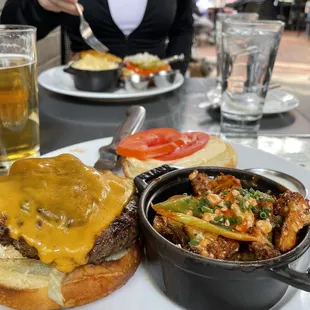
(249, 53)
(19, 122)
(214, 95)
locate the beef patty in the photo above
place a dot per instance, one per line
(119, 236)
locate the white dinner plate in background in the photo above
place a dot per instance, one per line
(279, 101)
(58, 81)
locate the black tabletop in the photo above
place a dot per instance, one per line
(68, 120)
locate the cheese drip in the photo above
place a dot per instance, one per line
(59, 206)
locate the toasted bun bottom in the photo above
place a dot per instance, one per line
(84, 285)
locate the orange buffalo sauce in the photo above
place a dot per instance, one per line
(59, 206)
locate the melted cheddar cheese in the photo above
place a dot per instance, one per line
(59, 206)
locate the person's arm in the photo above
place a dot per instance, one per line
(30, 12)
(181, 34)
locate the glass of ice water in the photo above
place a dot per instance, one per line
(249, 53)
(214, 95)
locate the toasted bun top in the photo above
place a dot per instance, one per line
(215, 153)
(58, 206)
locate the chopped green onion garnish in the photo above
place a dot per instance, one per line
(225, 192)
(263, 215)
(266, 210)
(268, 192)
(207, 210)
(205, 205)
(279, 219)
(268, 199)
(258, 195)
(210, 210)
(193, 242)
(241, 205)
(221, 225)
(201, 203)
(227, 204)
(235, 220)
(187, 201)
(220, 218)
(252, 191)
(219, 206)
(247, 196)
(254, 210)
(208, 203)
(242, 191)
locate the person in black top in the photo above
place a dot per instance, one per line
(166, 28)
(247, 6)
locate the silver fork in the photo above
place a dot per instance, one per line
(108, 159)
(88, 35)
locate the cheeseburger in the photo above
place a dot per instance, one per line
(68, 233)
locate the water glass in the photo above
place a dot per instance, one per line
(214, 95)
(19, 123)
(249, 53)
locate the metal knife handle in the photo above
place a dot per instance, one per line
(174, 58)
(134, 121)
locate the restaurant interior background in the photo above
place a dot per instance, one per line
(292, 67)
(293, 55)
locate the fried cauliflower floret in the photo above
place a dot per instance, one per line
(264, 226)
(201, 183)
(246, 216)
(171, 230)
(221, 248)
(263, 251)
(295, 210)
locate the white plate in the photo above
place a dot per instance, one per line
(140, 292)
(58, 81)
(279, 101)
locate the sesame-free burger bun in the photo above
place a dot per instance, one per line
(24, 282)
(216, 153)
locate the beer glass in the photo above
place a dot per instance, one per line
(19, 122)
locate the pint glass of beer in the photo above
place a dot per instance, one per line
(19, 122)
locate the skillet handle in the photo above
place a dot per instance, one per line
(300, 280)
(141, 181)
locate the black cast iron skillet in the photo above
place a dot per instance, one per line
(196, 282)
(95, 81)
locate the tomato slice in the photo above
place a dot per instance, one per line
(194, 141)
(162, 143)
(146, 72)
(150, 143)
